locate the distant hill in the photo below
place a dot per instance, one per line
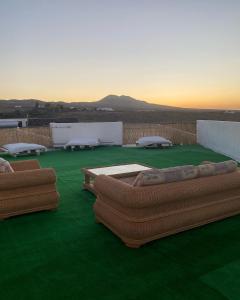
(125, 109)
(118, 103)
(129, 103)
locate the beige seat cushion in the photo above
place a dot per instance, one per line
(211, 169)
(159, 176)
(5, 166)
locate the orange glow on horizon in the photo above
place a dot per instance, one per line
(225, 96)
(206, 102)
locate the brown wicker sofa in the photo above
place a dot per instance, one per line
(138, 215)
(28, 189)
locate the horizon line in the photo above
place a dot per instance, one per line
(96, 100)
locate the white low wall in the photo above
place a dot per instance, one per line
(220, 136)
(109, 133)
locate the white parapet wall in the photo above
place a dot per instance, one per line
(220, 136)
(109, 133)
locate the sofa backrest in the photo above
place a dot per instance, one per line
(121, 194)
(181, 173)
(23, 165)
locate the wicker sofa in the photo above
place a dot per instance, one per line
(28, 189)
(139, 215)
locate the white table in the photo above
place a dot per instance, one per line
(114, 171)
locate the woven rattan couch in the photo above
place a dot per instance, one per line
(141, 214)
(28, 189)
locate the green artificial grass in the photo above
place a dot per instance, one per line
(65, 255)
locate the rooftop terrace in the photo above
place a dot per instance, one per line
(66, 255)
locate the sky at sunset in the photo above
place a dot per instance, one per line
(173, 52)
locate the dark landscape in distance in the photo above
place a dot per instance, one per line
(110, 108)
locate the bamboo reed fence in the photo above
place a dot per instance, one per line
(38, 135)
(178, 133)
(189, 127)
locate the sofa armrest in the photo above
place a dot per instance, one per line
(23, 179)
(112, 188)
(23, 165)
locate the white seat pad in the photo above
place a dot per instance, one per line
(23, 147)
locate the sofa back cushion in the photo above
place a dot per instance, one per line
(211, 169)
(159, 176)
(5, 166)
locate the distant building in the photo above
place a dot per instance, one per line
(229, 112)
(13, 123)
(104, 109)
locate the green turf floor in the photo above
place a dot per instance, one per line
(65, 255)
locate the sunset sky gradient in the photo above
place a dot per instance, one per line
(173, 52)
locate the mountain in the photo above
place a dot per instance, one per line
(129, 103)
(118, 103)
